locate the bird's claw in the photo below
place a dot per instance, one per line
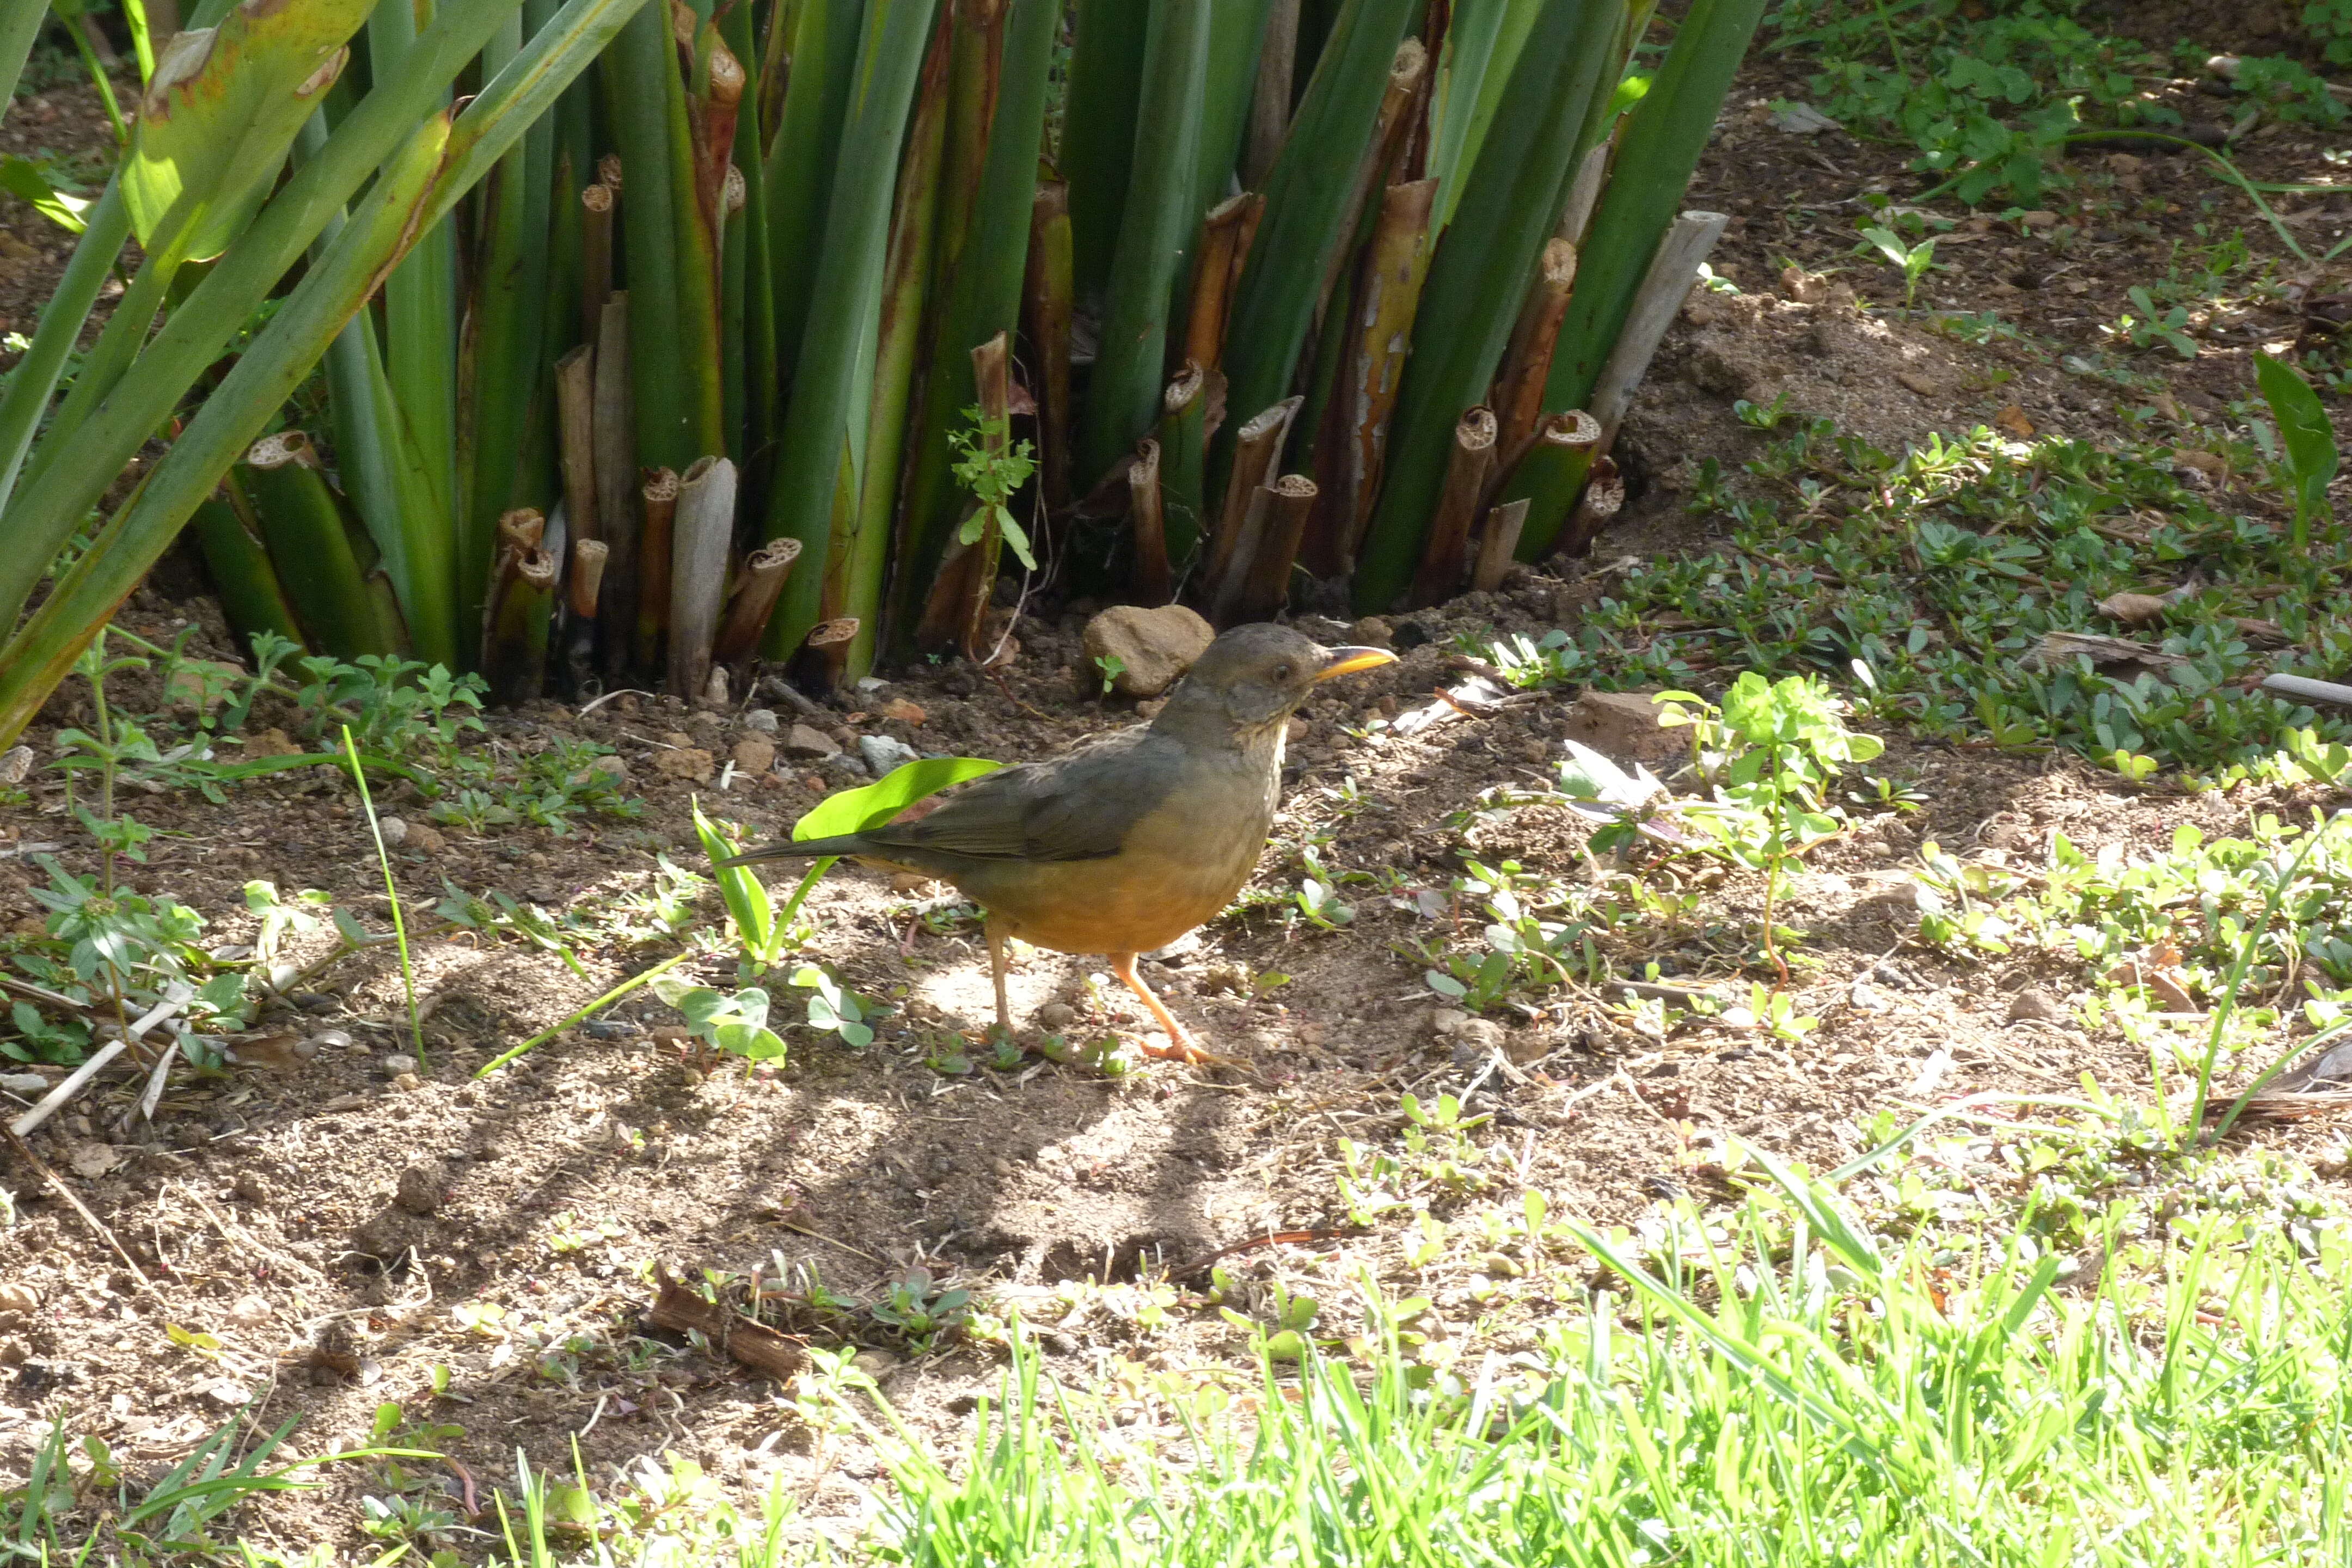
(1182, 1049)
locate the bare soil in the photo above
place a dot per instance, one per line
(342, 1232)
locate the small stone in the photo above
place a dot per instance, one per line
(249, 1311)
(904, 711)
(394, 1065)
(808, 741)
(423, 1187)
(408, 1083)
(1483, 1035)
(394, 830)
(1372, 632)
(1868, 998)
(1447, 1020)
(607, 770)
(1054, 1016)
(24, 1083)
(2036, 1006)
(328, 1039)
(1153, 646)
(271, 743)
(845, 768)
(1623, 726)
(761, 720)
(426, 840)
(252, 1186)
(17, 1297)
(882, 753)
(690, 763)
(755, 756)
(876, 1364)
(227, 1393)
(94, 1160)
(15, 764)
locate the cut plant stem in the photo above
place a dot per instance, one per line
(1183, 455)
(327, 566)
(705, 529)
(1049, 302)
(251, 595)
(575, 409)
(1603, 499)
(1277, 521)
(597, 202)
(659, 494)
(1520, 387)
(582, 587)
(1673, 272)
(617, 486)
(1499, 545)
(521, 605)
(1447, 551)
(1213, 272)
(1257, 452)
(1151, 580)
(1270, 103)
(1550, 477)
(752, 600)
(1395, 266)
(818, 665)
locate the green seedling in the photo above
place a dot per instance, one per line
(733, 1025)
(1914, 259)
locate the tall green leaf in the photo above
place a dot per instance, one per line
(1098, 129)
(801, 162)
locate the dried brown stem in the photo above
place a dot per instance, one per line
(747, 1342)
(705, 529)
(659, 494)
(1603, 499)
(1153, 582)
(1447, 552)
(1278, 515)
(1213, 277)
(616, 482)
(1498, 544)
(575, 416)
(1520, 385)
(1257, 452)
(754, 600)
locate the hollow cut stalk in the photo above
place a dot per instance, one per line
(658, 495)
(1550, 476)
(752, 600)
(619, 498)
(1395, 267)
(325, 563)
(1445, 553)
(1182, 434)
(251, 595)
(704, 532)
(1047, 309)
(1151, 580)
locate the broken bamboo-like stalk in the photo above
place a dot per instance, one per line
(1550, 477)
(1526, 365)
(1153, 580)
(1596, 508)
(614, 429)
(575, 424)
(1395, 266)
(1584, 194)
(754, 600)
(1278, 66)
(1278, 514)
(1257, 452)
(824, 657)
(1447, 551)
(1499, 546)
(703, 530)
(659, 494)
(1663, 288)
(520, 605)
(1183, 437)
(1049, 291)
(582, 590)
(1214, 276)
(681, 1310)
(596, 215)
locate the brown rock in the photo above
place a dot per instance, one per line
(2037, 1006)
(807, 741)
(906, 712)
(754, 755)
(1623, 726)
(423, 1187)
(1153, 646)
(425, 840)
(1372, 632)
(270, 743)
(690, 764)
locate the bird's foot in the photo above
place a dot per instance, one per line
(1182, 1048)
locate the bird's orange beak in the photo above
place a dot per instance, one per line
(1348, 660)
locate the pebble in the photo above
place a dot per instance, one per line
(609, 1029)
(328, 1039)
(2036, 1005)
(1447, 1020)
(24, 1083)
(690, 764)
(1055, 1015)
(422, 1187)
(755, 756)
(846, 767)
(882, 753)
(249, 1311)
(426, 840)
(318, 1001)
(761, 720)
(1481, 1035)
(395, 1066)
(1153, 646)
(394, 830)
(1868, 998)
(17, 1297)
(808, 741)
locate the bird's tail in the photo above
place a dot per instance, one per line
(798, 850)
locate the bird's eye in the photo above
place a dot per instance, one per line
(1282, 672)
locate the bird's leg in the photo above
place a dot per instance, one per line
(997, 961)
(1181, 1045)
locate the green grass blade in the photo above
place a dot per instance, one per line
(35, 380)
(802, 159)
(18, 27)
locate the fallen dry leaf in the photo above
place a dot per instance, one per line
(2134, 609)
(2012, 421)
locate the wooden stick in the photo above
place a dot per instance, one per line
(1047, 289)
(51, 1103)
(1519, 388)
(1498, 544)
(659, 493)
(1257, 452)
(616, 483)
(2305, 689)
(1447, 551)
(1278, 514)
(581, 591)
(596, 215)
(1603, 499)
(749, 1342)
(1153, 580)
(1395, 266)
(1213, 277)
(1663, 288)
(698, 585)
(754, 600)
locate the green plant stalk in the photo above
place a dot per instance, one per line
(2244, 960)
(1182, 434)
(392, 893)
(696, 235)
(503, 378)
(1048, 305)
(749, 328)
(1099, 131)
(1479, 279)
(251, 595)
(436, 166)
(854, 574)
(322, 558)
(106, 228)
(1485, 96)
(422, 316)
(44, 513)
(19, 25)
(822, 448)
(1154, 233)
(606, 1000)
(975, 32)
(1656, 153)
(638, 74)
(1550, 477)
(802, 159)
(1236, 35)
(983, 298)
(1309, 214)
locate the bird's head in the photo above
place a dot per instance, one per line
(1252, 677)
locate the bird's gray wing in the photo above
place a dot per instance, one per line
(1075, 807)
